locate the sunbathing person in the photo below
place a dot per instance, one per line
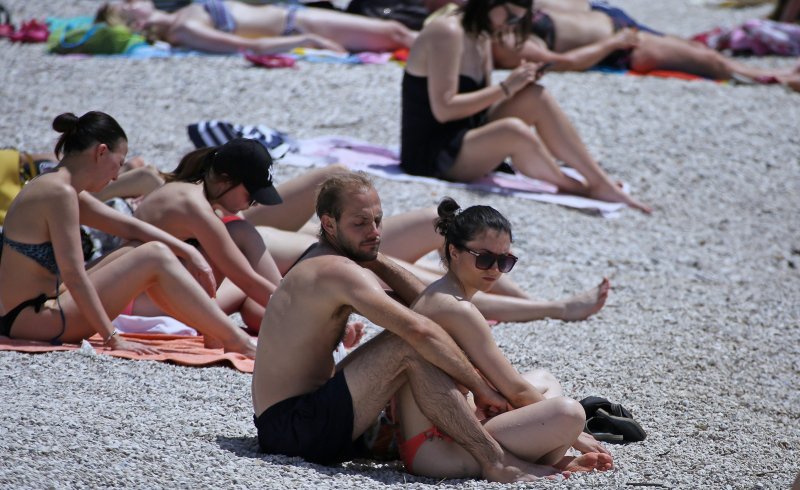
(456, 125)
(306, 406)
(46, 293)
(198, 204)
(226, 26)
(541, 423)
(597, 34)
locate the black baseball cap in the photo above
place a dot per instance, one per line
(248, 161)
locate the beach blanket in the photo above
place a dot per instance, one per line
(384, 162)
(179, 349)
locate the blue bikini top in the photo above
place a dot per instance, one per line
(42, 253)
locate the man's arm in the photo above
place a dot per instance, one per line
(404, 284)
(364, 293)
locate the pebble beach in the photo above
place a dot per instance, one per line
(700, 337)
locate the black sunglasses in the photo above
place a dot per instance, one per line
(511, 18)
(485, 260)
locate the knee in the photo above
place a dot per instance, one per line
(516, 127)
(570, 413)
(155, 253)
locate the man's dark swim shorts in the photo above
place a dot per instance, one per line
(316, 426)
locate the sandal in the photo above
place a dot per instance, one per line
(603, 423)
(32, 31)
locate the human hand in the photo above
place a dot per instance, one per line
(586, 443)
(521, 77)
(199, 269)
(490, 403)
(319, 42)
(626, 38)
(118, 343)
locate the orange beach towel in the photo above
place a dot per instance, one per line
(179, 349)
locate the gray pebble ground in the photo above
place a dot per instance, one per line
(700, 337)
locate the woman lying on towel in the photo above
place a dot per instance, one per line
(581, 34)
(458, 126)
(46, 293)
(540, 424)
(226, 26)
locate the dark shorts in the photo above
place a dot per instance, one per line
(316, 426)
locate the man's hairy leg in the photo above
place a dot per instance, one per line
(377, 370)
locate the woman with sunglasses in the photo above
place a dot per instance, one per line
(47, 294)
(540, 424)
(458, 126)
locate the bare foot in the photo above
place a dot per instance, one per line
(210, 342)
(586, 462)
(585, 304)
(353, 333)
(247, 348)
(614, 193)
(522, 472)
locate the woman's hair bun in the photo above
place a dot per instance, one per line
(447, 211)
(66, 122)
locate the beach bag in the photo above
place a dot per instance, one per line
(97, 38)
(411, 13)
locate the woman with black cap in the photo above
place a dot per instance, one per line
(199, 204)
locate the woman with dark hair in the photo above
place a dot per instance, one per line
(458, 126)
(199, 204)
(540, 424)
(45, 291)
(226, 26)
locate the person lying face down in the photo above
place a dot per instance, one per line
(228, 26)
(306, 406)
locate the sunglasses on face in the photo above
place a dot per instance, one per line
(485, 260)
(512, 19)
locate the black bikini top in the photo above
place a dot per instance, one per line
(542, 26)
(42, 253)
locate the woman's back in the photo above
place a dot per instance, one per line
(28, 263)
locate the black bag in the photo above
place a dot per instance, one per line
(411, 13)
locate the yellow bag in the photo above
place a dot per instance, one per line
(10, 184)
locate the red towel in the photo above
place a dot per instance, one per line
(179, 349)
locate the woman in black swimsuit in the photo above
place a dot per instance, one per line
(458, 126)
(46, 293)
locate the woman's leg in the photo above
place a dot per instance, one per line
(299, 195)
(285, 247)
(673, 53)
(514, 309)
(536, 107)
(251, 244)
(355, 32)
(544, 382)
(485, 147)
(150, 268)
(410, 236)
(133, 183)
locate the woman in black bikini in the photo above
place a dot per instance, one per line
(458, 126)
(46, 293)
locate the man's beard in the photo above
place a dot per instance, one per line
(352, 252)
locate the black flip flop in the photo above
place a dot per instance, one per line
(602, 430)
(630, 429)
(592, 403)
